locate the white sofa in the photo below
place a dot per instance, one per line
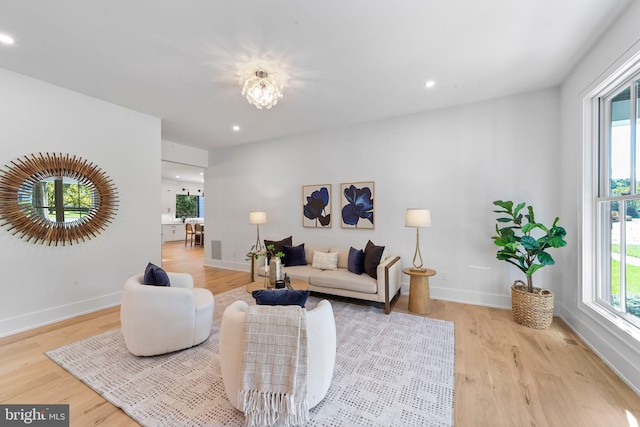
(321, 350)
(161, 319)
(341, 281)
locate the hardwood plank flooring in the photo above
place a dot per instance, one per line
(506, 375)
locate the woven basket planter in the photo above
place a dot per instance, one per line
(534, 310)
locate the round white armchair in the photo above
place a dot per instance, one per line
(161, 319)
(321, 350)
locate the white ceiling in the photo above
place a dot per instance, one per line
(344, 61)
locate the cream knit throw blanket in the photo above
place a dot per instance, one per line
(274, 366)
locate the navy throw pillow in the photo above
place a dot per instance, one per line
(280, 297)
(154, 275)
(356, 261)
(372, 257)
(294, 255)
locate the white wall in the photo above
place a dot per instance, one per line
(42, 284)
(454, 161)
(178, 153)
(618, 349)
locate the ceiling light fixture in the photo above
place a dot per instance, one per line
(429, 84)
(262, 89)
(6, 39)
(236, 128)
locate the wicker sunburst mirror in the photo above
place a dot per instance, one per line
(54, 198)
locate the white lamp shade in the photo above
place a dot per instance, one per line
(418, 218)
(257, 217)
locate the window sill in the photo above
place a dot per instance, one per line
(613, 321)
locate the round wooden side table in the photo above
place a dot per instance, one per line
(419, 298)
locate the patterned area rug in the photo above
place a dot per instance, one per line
(391, 370)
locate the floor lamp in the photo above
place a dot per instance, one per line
(257, 218)
(418, 218)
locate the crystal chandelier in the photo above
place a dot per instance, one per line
(262, 90)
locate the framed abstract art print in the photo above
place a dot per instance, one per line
(316, 206)
(357, 205)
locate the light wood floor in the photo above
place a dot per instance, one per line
(506, 375)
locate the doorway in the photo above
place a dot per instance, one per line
(182, 203)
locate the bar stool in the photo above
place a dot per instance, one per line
(199, 233)
(188, 233)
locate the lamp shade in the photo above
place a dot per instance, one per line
(257, 217)
(418, 218)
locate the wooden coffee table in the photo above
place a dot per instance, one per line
(297, 284)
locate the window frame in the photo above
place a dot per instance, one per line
(595, 191)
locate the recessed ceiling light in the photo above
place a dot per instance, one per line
(6, 39)
(429, 84)
(177, 176)
(236, 128)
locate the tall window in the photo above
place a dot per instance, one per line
(618, 201)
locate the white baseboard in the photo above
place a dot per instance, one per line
(51, 315)
(615, 351)
(229, 265)
(466, 297)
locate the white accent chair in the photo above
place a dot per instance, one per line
(321, 354)
(160, 319)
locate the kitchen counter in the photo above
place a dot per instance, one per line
(175, 230)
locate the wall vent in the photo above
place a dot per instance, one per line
(216, 249)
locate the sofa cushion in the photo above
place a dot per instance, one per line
(309, 250)
(278, 244)
(301, 272)
(280, 297)
(372, 256)
(342, 279)
(356, 261)
(294, 255)
(154, 275)
(343, 257)
(325, 261)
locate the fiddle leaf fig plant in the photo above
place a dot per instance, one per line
(524, 242)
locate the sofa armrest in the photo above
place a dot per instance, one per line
(230, 354)
(389, 273)
(156, 319)
(180, 280)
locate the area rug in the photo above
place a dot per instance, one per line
(391, 370)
